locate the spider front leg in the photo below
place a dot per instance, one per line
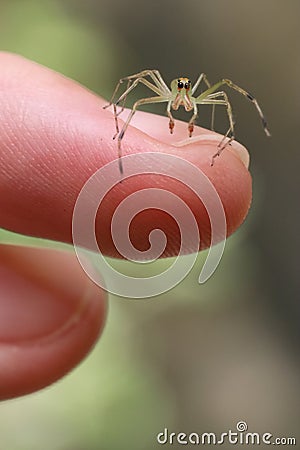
(192, 119)
(171, 121)
(143, 101)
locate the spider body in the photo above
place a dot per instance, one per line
(180, 93)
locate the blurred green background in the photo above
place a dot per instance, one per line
(199, 358)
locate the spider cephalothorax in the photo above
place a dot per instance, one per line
(183, 83)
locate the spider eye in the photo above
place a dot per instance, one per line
(187, 85)
(180, 84)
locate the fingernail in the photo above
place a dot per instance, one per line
(235, 147)
(241, 152)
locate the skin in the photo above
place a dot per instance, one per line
(53, 135)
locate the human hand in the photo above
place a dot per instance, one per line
(54, 136)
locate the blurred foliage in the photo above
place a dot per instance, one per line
(47, 33)
(197, 358)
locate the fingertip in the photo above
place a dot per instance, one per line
(65, 136)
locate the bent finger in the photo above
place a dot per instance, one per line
(51, 315)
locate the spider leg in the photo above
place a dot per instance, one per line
(142, 101)
(237, 88)
(222, 146)
(221, 98)
(159, 87)
(117, 113)
(155, 77)
(171, 121)
(130, 86)
(124, 99)
(203, 77)
(160, 81)
(192, 119)
(253, 100)
(115, 93)
(134, 84)
(221, 95)
(130, 80)
(153, 74)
